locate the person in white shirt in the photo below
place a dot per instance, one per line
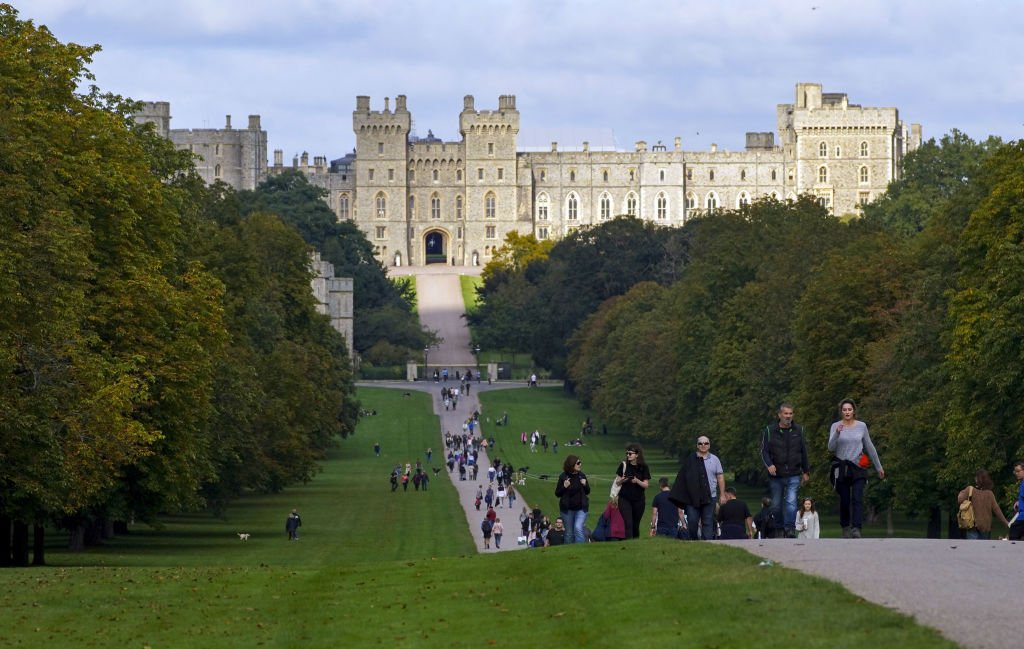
(807, 520)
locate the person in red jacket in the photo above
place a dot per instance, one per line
(616, 524)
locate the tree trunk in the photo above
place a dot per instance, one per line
(76, 540)
(5, 540)
(935, 523)
(20, 546)
(120, 527)
(38, 545)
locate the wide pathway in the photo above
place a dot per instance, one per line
(439, 299)
(969, 590)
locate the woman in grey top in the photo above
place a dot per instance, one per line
(848, 439)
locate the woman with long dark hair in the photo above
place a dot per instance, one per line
(848, 438)
(573, 490)
(984, 504)
(633, 476)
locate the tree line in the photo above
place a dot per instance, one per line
(160, 348)
(914, 310)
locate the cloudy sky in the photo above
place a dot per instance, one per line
(705, 71)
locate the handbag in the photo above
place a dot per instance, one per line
(616, 487)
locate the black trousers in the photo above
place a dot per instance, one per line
(632, 511)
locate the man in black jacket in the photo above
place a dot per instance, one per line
(785, 456)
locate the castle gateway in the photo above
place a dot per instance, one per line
(423, 200)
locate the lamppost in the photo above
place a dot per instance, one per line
(476, 352)
(426, 364)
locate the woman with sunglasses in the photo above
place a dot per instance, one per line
(572, 491)
(633, 476)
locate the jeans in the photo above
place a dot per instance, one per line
(785, 514)
(705, 515)
(851, 502)
(574, 520)
(974, 534)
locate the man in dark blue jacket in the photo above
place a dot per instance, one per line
(785, 456)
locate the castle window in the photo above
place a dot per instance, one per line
(691, 201)
(382, 205)
(822, 174)
(458, 233)
(631, 204)
(711, 202)
(863, 149)
(661, 205)
(743, 174)
(542, 207)
(435, 207)
(711, 174)
(632, 175)
(864, 175)
(606, 207)
(572, 207)
(743, 200)
(489, 209)
(343, 203)
(435, 175)
(491, 232)
(501, 173)
(689, 174)
(822, 150)
(480, 173)
(412, 176)
(412, 207)
(381, 232)
(543, 175)
(542, 233)
(572, 175)
(216, 149)
(864, 198)
(216, 171)
(458, 175)
(839, 152)
(774, 174)
(490, 148)
(458, 207)
(380, 147)
(369, 173)
(661, 175)
(604, 175)
(391, 174)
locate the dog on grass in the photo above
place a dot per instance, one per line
(244, 536)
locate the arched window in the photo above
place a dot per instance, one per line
(711, 174)
(864, 175)
(839, 152)
(631, 204)
(458, 207)
(542, 207)
(743, 199)
(774, 174)
(863, 149)
(572, 176)
(604, 175)
(822, 150)
(661, 206)
(822, 174)
(216, 171)
(691, 201)
(381, 201)
(489, 208)
(435, 174)
(435, 207)
(343, 207)
(458, 175)
(606, 207)
(661, 175)
(572, 207)
(743, 174)
(711, 202)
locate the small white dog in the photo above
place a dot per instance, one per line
(243, 536)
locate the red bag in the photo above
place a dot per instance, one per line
(864, 461)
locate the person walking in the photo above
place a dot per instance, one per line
(734, 517)
(784, 454)
(573, 490)
(698, 486)
(633, 476)
(984, 504)
(666, 518)
(849, 439)
(292, 525)
(807, 520)
(497, 530)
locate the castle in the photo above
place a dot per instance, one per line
(423, 200)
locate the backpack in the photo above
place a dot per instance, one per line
(965, 515)
(602, 530)
(486, 526)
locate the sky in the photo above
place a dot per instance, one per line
(707, 71)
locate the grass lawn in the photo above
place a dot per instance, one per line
(376, 568)
(469, 284)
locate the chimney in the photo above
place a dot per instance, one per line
(227, 120)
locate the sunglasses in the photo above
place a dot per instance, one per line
(630, 452)
(703, 443)
(579, 462)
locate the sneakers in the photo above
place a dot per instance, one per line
(847, 534)
(854, 532)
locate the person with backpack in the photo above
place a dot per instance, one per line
(785, 457)
(487, 526)
(976, 518)
(849, 439)
(765, 525)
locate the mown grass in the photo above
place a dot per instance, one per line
(469, 284)
(375, 568)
